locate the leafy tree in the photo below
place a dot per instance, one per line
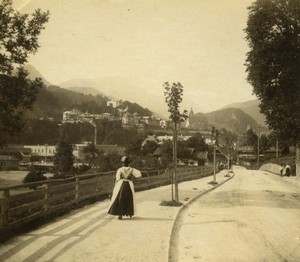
(197, 142)
(251, 138)
(18, 39)
(173, 98)
(91, 154)
(137, 162)
(108, 162)
(63, 159)
(273, 65)
(166, 150)
(151, 163)
(149, 148)
(215, 136)
(182, 150)
(264, 143)
(134, 147)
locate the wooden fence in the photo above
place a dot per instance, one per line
(56, 195)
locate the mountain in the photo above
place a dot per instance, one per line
(114, 87)
(252, 109)
(232, 119)
(52, 101)
(86, 90)
(198, 121)
(34, 73)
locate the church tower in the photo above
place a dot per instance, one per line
(187, 123)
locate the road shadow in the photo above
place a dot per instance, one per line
(93, 225)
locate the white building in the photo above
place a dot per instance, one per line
(113, 103)
(70, 116)
(42, 150)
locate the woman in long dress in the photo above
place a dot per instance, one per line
(122, 201)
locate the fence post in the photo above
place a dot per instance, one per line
(77, 189)
(97, 183)
(181, 179)
(5, 208)
(46, 195)
(148, 180)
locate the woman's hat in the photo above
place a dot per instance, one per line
(125, 159)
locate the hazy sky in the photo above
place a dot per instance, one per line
(199, 43)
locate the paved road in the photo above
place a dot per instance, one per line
(90, 234)
(253, 217)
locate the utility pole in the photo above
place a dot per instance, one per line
(46, 148)
(95, 135)
(277, 148)
(214, 139)
(258, 135)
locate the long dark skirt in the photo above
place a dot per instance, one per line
(123, 204)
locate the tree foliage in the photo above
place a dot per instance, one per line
(91, 155)
(215, 136)
(197, 142)
(149, 148)
(107, 162)
(273, 62)
(251, 138)
(18, 39)
(34, 176)
(173, 98)
(63, 159)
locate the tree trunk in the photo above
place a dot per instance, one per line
(172, 185)
(175, 161)
(297, 161)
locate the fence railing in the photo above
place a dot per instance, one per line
(58, 194)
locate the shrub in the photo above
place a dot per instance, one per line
(34, 176)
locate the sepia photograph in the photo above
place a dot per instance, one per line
(149, 130)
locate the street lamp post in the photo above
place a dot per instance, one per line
(215, 179)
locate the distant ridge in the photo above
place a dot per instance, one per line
(53, 100)
(113, 87)
(232, 119)
(86, 90)
(34, 73)
(252, 109)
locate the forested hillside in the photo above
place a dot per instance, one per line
(232, 119)
(252, 109)
(52, 101)
(46, 131)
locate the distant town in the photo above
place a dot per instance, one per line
(22, 156)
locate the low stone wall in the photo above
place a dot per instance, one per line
(270, 167)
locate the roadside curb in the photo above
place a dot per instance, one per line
(174, 231)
